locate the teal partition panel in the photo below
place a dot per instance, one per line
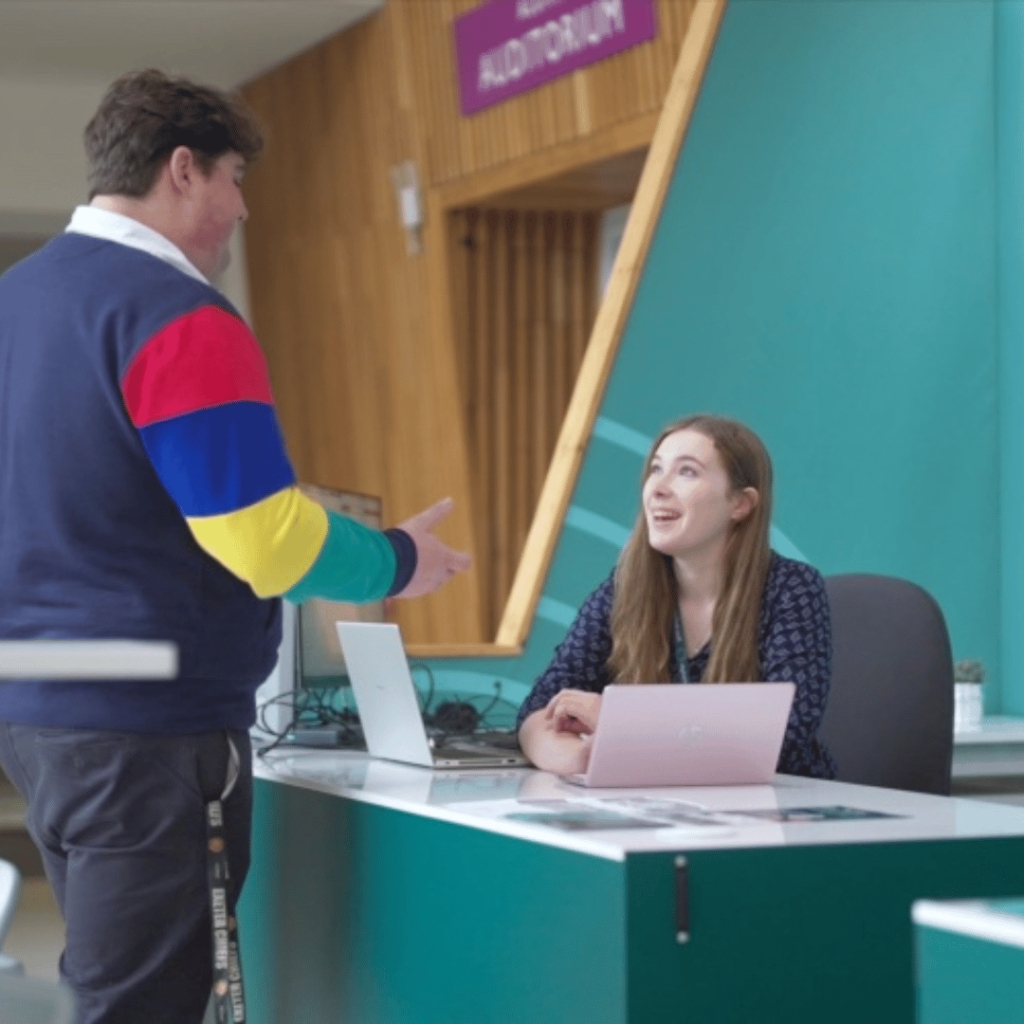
(825, 269)
(961, 979)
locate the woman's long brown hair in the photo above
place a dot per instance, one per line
(646, 591)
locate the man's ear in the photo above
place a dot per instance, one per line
(182, 168)
(745, 503)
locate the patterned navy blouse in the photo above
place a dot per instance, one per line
(794, 645)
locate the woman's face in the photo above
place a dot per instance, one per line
(688, 499)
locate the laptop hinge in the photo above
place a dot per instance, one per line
(682, 901)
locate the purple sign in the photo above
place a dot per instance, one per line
(506, 47)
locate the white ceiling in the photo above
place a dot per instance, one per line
(221, 42)
(58, 56)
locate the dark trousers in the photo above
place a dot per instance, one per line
(119, 819)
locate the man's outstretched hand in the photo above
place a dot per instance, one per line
(436, 563)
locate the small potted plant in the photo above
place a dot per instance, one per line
(968, 676)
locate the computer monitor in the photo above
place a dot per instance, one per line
(309, 658)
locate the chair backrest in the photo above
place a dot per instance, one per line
(889, 719)
(10, 889)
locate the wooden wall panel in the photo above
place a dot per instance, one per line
(365, 404)
(587, 101)
(360, 335)
(519, 365)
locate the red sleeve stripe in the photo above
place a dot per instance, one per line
(203, 359)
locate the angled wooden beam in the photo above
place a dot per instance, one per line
(669, 133)
(611, 321)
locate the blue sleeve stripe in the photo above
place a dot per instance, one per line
(218, 460)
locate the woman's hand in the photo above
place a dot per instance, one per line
(583, 754)
(558, 738)
(573, 711)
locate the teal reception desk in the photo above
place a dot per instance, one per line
(387, 894)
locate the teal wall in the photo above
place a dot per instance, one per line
(825, 269)
(1010, 283)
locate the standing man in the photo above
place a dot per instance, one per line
(145, 493)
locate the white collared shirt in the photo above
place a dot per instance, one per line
(115, 227)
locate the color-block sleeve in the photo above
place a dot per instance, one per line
(580, 660)
(357, 564)
(796, 646)
(199, 394)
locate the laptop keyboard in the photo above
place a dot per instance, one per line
(476, 745)
(500, 741)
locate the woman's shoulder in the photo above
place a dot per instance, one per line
(794, 589)
(601, 598)
(597, 605)
(789, 575)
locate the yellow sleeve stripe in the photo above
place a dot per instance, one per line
(271, 544)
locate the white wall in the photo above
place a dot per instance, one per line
(42, 163)
(613, 227)
(43, 167)
(234, 282)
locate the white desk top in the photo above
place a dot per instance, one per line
(993, 747)
(999, 921)
(990, 730)
(483, 798)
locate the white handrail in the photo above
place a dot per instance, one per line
(88, 659)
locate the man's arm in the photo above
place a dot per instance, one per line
(199, 394)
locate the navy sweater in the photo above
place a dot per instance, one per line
(93, 540)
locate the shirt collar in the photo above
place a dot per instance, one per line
(115, 227)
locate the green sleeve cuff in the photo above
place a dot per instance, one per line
(355, 564)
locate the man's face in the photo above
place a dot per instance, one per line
(217, 207)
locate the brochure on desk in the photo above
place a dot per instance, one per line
(594, 813)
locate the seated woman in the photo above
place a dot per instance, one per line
(697, 596)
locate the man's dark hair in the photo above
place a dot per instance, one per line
(145, 115)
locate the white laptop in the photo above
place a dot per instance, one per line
(389, 709)
(726, 734)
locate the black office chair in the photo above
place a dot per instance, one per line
(889, 719)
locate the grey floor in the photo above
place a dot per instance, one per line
(36, 936)
(37, 931)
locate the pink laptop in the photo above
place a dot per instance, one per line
(725, 734)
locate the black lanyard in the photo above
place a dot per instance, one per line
(680, 645)
(228, 991)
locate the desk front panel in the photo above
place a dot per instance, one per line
(364, 914)
(797, 934)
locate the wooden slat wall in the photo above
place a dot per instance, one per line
(523, 301)
(583, 103)
(360, 336)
